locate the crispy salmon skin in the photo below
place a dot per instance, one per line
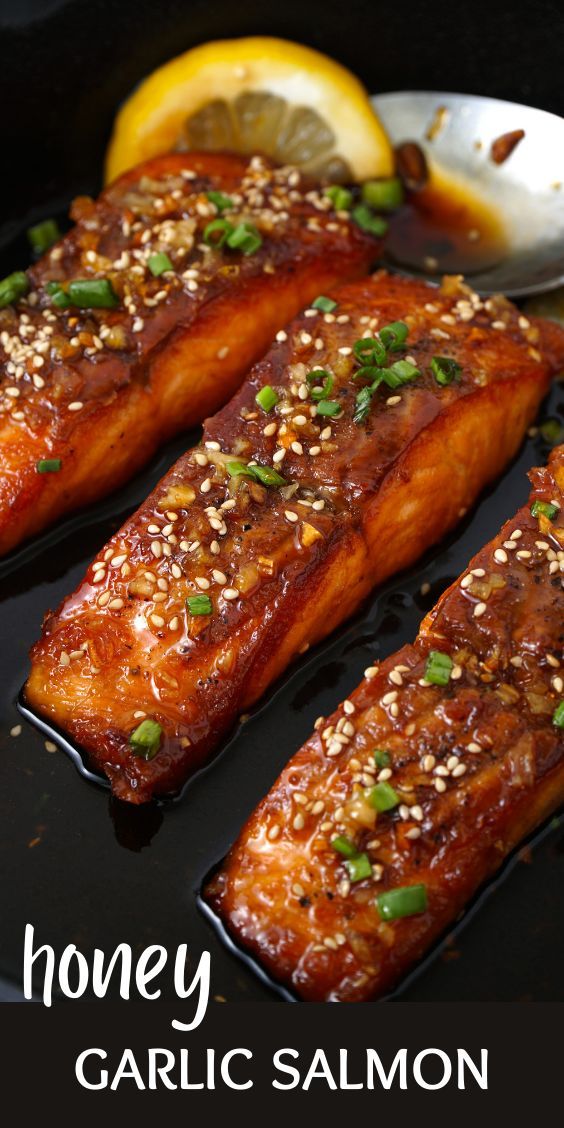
(270, 533)
(410, 795)
(88, 392)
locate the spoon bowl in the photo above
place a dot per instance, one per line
(456, 133)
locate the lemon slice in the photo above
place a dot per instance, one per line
(255, 95)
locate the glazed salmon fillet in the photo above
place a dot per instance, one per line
(323, 476)
(164, 325)
(389, 819)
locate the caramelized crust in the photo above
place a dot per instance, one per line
(284, 566)
(100, 389)
(476, 765)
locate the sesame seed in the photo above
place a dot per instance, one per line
(500, 556)
(440, 785)
(348, 707)
(479, 610)
(390, 698)
(76, 405)
(230, 593)
(290, 515)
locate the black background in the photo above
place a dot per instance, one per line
(83, 868)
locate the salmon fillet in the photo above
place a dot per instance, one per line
(88, 394)
(413, 792)
(349, 487)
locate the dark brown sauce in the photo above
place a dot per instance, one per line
(446, 227)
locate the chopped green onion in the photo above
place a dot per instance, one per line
(92, 293)
(406, 900)
(381, 758)
(244, 238)
(359, 867)
(199, 604)
(48, 465)
(341, 198)
(438, 668)
(12, 288)
(267, 476)
(58, 296)
(372, 224)
(264, 474)
(383, 195)
(158, 263)
(84, 293)
(326, 305)
(383, 797)
(552, 431)
(344, 846)
(267, 398)
(43, 235)
(545, 509)
(220, 200)
(328, 407)
(363, 402)
(146, 739)
(325, 388)
(394, 335)
(400, 372)
(445, 369)
(236, 467)
(217, 232)
(370, 350)
(558, 715)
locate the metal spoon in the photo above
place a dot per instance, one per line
(456, 132)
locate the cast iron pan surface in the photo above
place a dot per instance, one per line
(80, 866)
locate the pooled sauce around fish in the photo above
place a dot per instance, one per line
(445, 227)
